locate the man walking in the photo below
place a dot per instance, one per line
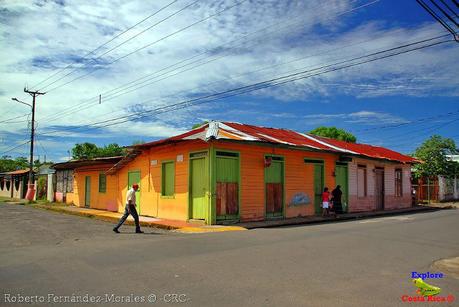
(130, 209)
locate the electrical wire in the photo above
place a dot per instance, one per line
(149, 45)
(107, 42)
(120, 90)
(272, 82)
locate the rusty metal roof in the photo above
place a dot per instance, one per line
(276, 136)
(72, 164)
(17, 172)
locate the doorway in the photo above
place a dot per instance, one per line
(274, 187)
(379, 188)
(199, 186)
(341, 172)
(319, 182)
(134, 177)
(227, 185)
(87, 191)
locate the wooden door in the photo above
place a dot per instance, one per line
(134, 177)
(342, 180)
(199, 188)
(87, 191)
(318, 186)
(227, 185)
(274, 186)
(379, 189)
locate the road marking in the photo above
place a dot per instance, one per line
(396, 218)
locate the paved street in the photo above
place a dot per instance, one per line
(357, 263)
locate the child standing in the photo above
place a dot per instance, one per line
(325, 202)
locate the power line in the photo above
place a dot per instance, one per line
(273, 82)
(429, 10)
(107, 42)
(121, 90)
(421, 120)
(16, 147)
(13, 118)
(151, 44)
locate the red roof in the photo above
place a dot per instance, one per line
(241, 132)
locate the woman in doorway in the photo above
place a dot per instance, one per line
(336, 196)
(325, 202)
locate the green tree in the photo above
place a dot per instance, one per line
(433, 153)
(91, 151)
(200, 124)
(85, 151)
(334, 133)
(111, 150)
(8, 164)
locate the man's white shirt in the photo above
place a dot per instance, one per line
(130, 196)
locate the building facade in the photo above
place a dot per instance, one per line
(228, 172)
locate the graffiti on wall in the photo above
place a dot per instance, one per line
(299, 199)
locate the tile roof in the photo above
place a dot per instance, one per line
(250, 133)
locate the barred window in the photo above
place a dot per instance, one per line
(102, 183)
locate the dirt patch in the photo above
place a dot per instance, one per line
(448, 266)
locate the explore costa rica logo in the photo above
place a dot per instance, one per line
(425, 291)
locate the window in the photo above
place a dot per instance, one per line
(64, 181)
(102, 183)
(398, 183)
(361, 181)
(167, 179)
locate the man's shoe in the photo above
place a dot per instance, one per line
(138, 231)
(116, 230)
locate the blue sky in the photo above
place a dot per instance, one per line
(381, 102)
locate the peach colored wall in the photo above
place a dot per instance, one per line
(360, 204)
(299, 178)
(151, 202)
(99, 200)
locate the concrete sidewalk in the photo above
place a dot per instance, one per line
(145, 221)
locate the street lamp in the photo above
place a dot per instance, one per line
(30, 187)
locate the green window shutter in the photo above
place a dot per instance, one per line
(102, 183)
(168, 174)
(227, 169)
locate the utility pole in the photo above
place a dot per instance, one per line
(30, 188)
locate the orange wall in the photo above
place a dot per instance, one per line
(299, 178)
(99, 200)
(151, 201)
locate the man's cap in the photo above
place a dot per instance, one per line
(135, 185)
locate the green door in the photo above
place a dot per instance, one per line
(227, 187)
(274, 188)
(87, 191)
(134, 177)
(199, 188)
(318, 186)
(342, 180)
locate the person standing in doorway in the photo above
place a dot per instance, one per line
(325, 202)
(130, 209)
(336, 196)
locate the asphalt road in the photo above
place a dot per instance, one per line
(56, 257)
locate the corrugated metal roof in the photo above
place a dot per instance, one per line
(17, 172)
(242, 132)
(72, 164)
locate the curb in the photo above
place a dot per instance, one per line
(104, 218)
(343, 218)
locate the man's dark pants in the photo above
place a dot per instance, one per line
(129, 209)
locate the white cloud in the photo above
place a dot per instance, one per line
(31, 45)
